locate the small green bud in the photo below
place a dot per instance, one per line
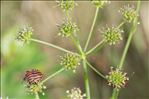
(67, 29)
(129, 13)
(66, 5)
(100, 3)
(24, 35)
(117, 78)
(33, 88)
(75, 93)
(112, 35)
(70, 61)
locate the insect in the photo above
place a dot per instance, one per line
(33, 76)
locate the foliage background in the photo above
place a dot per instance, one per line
(43, 17)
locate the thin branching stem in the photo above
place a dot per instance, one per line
(103, 41)
(121, 24)
(36, 95)
(94, 69)
(91, 30)
(96, 46)
(77, 44)
(132, 31)
(86, 79)
(54, 74)
(54, 46)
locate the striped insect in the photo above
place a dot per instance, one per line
(33, 76)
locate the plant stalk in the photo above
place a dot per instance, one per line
(86, 79)
(91, 30)
(115, 94)
(54, 74)
(54, 46)
(36, 95)
(94, 69)
(83, 56)
(132, 31)
(77, 44)
(87, 88)
(96, 46)
(121, 24)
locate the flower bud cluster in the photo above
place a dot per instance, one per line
(75, 93)
(112, 35)
(100, 3)
(117, 78)
(67, 28)
(66, 5)
(129, 13)
(24, 35)
(70, 61)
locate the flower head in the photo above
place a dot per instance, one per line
(34, 88)
(24, 35)
(66, 5)
(32, 79)
(128, 13)
(112, 35)
(117, 78)
(67, 28)
(99, 3)
(70, 61)
(75, 93)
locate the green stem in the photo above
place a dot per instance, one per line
(36, 95)
(91, 30)
(87, 88)
(125, 50)
(133, 29)
(54, 46)
(67, 15)
(54, 74)
(99, 44)
(94, 69)
(83, 56)
(77, 44)
(115, 94)
(121, 24)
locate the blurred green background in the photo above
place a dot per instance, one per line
(43, 16)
